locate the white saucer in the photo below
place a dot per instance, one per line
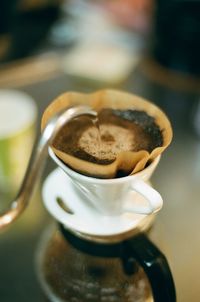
(85, 220)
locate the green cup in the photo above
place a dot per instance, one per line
(18, 115)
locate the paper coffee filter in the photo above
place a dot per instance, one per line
(126, 161)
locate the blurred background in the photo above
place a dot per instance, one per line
(147, 47)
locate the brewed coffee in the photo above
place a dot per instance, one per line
(115, 131)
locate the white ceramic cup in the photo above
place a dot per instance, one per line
(109, 196)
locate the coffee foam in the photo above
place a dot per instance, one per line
(108, 142)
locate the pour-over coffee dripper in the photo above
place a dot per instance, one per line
(103, 208)
(93, 186)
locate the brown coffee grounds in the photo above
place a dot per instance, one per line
(120, 130)
(111, 140)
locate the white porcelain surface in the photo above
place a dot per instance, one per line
(85, 218)
(97, 192)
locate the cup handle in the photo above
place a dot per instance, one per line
(153, 198)
(155, 265)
